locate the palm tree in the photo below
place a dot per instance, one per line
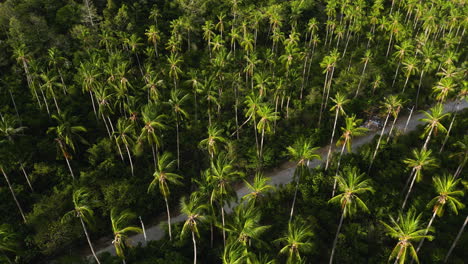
(258, 188)
(235, 253)
(410, 67)
(13, 193)
(267, 116)
(222, 173)
(462, 95)
(177, 102)
(351, 183)
(422, 159)
(302, 152)
(49, 84)
(456, 239)
(153, 122)
(55, 59)
(153, 35)
(83, 210)
(134, 42)
(212, 141)
(296, 241)
(64, 136)
(446, 187)
(174, 61)
(195, 213)
(434, 122)
(403, 51)
(443, 88)
(350, 130)
(339, 100)
(407, 228)
(253, 103)
(162, 178)
(391, 105)
(125, 135)
(121, 229)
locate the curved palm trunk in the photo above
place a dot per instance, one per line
(380, 139)
(409, 118)
(14, 195)
(338, 167)
(406, 82)
(360, 79)
(26, 176)
(331, 140)
(89, 240)
(294, 199)
(427, 230)
(336, 238)
(92, 102)
(409, 190)
(168, 218)
(129, 158)
(396, 73)
(224, 230)
(456, 240)
(143, 228)
(194, 248)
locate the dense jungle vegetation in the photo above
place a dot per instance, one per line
(117, 113)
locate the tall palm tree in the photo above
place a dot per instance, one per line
(174, 60)
(49, 84)
(422, 160)
(82, 210)
(410, 67)
(267, 116)
(65, 132)
(121, 229)
(351, 129)
(407, 228)
(222, 173)
(433, 121)
(212, 142)
(177, 102)
(443, 88)
(153, 122)
(153, 35)
(55, 60)
(162, 178)
(446, 187)
(351, 183)
(391, 105)
(253, 103)
(258, 188)
(296, 241)
(195, 213)
(339, 101)
(301, 152)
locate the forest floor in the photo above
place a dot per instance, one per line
(278, 176)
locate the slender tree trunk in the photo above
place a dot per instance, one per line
(393, 124)
(380, 139)
(338, 167)
(129, 158)
(336, 238)
(360, 79)
(409, 190)
(69, 167)
(419, 88)
(389, 43)
(323, 98)
(406, 82)
(143, 228)
(107, 127)
(45, 101)
(428, 138)
(331, 140)
(14, 195)
(396, 73)
(194, 248)
(89, 240)
(409, 118)
(261, 143)
(26, 176)
(168, 218)
(92, 102)
(448, 131)
(154, 155)
(178, 144)
(427, 230)
(222, 219)
(295, 195)
(456, 240)
(56, 104)
(459, 169)
(255, 131)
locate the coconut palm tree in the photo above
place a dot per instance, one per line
(296, 241)
(125, 135)
(153, 35)
(49, 84)
(433, 121)
(82, 209)
(222, 173)
(403, 50)
(422, 160)
(351, 129)
(253, 103)
(153, 122)
(407, 229)
(339, 101)
(65, 134)
(212, 142)
(162, 178)
(267, 116)
(446, 187)
(410, 67)
(177, 102)
(351, 183)
(121, 229)
(174, 60)
(301, 152)
(257, 188)
(443, 88)
(55, 60)
(390, 104)
(195, 213)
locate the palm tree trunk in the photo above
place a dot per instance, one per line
(419, 88)
(380, 138)
(194, 248)
(255, 131)
(56, 104)
(323, 98)
(428, 138)
(406, 82)
(336, 238)
(427, 230)
(129, 158)
(393, 124)
(14, 195)
(331, 140)
(409, 190)
(89, 240)
(409, 118)
(261, 143)
(26, 176)
(338, 167)
(69, 167)
(360, 79)
(143, 228)
(459, 169)
(294, 199)
(154, 155)
(178, 144)
(45, 101)
(222, 219)
(92, 102)
(448, 131)
(168, 218)
(107, 127)
(396, 73)
(456, 240)
(389, 43)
